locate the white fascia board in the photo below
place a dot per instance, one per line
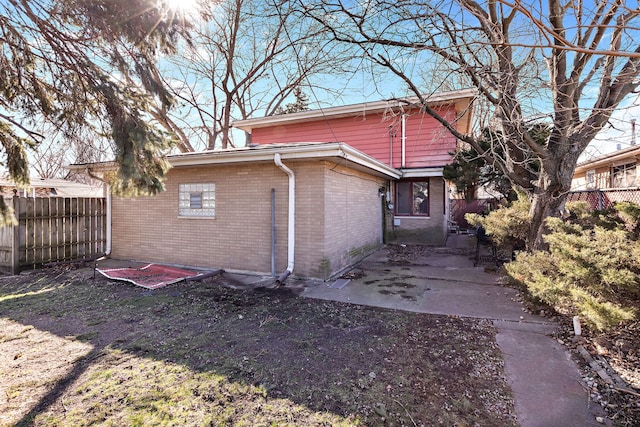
(422, 172)
(348, 110)
(351, 153)
(289, 152)
(93, 167)
(306, 151)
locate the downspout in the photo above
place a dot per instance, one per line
(291, 232)
(273, 232)
(107, 250)
(404, 139)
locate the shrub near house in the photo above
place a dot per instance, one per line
(592, 265)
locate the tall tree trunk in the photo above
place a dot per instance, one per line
(546, 202)
(225, 128)
(551, 190)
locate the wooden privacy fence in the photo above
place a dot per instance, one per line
(52, 229)
(460, 207)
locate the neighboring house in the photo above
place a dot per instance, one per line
(609, 178)
(49, 187)
(288, 203)
(614, 170)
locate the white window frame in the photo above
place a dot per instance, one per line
(418, 198)
(591, 179)
(197, 200)
(624, 175)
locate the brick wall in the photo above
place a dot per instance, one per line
(310, 216)
(239, 237)
(429, 230)
(337, 213)
(353, 209)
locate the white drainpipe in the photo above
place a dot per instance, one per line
(404, 138)
(291, 232)
(107, 251)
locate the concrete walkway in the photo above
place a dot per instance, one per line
(545, 381)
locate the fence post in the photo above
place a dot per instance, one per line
(15, 245)
(600, 200)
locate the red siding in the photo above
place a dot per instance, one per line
(427, 144)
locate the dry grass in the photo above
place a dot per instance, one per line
(74, 352)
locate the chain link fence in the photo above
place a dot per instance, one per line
(603, 199)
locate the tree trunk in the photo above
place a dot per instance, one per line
(550, 193)
(543, 205)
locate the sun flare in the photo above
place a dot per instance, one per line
(183, 7)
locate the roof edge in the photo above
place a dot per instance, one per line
(434, 171)
(607, 158)
(263, 153)
(345, 110)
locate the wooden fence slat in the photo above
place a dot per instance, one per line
(8, 257)
(23, 235)
(46, 229)
(55, 228)
(66, 221)
(6, 245)
(52, 230)
(15, 250)
(75, 228)
(86, 227)
(38, 222)
(91, 236)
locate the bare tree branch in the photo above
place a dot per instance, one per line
(525, 58)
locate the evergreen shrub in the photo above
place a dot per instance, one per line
(591, 267)
(507, 225)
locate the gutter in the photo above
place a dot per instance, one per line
(265, 154)
(631, 154)
(290, 152)
(291, 232)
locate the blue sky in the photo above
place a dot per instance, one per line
(361, 86)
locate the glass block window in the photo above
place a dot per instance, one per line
(197, 200)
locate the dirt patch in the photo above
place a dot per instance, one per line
(78, 352)
(616, 353)
(353, 274)
(621, 347)
(412, 254)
